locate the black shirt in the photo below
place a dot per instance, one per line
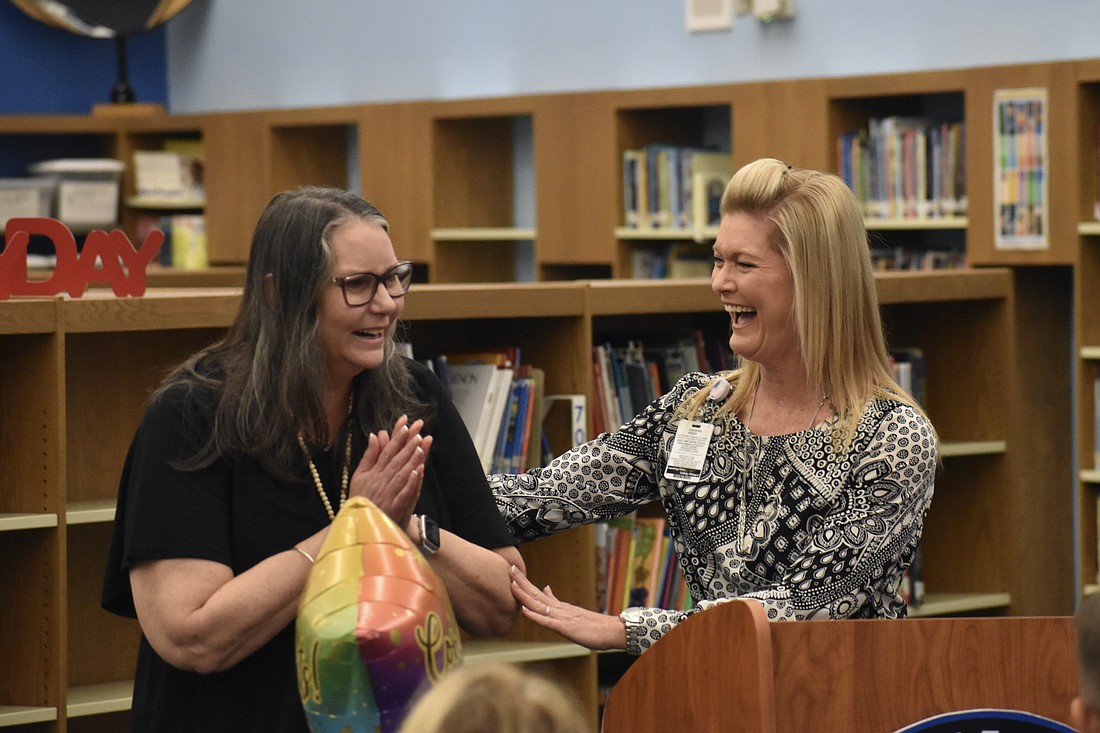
(236, 513)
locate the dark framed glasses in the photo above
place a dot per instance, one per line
(359, 289)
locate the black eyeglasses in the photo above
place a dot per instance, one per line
(359, 289)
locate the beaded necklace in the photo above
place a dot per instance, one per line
(343, 475)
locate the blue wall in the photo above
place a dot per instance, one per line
(241, 54)
(45, 70)
(252, 54)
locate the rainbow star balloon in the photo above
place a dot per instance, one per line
(374, 627)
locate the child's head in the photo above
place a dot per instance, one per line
(495, 698)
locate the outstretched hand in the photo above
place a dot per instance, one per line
(391, 471)
(581, 626)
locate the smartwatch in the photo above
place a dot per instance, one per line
(429, 535)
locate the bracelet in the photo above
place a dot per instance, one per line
(305, 554)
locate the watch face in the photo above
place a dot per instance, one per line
(429, 535)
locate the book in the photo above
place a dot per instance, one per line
(530, 455)
(705, 175)
(501, 460)
(470, 386)
(690, 260)
(488, 428)
(908, 365)
(171, 176)
(645, 561)
(188, 241)
(635, 198)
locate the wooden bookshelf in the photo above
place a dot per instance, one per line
(94, 360)
(1086, 280)
(473, 189)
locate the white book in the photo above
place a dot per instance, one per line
(470, 384)
(489, 424)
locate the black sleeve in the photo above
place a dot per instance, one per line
(456, 493)
(163, 512)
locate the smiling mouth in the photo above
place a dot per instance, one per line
(376, 333)
(741, 315)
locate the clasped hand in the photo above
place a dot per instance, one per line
(391, 471)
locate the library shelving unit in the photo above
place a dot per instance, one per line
(970, 511)
(77, 374)
(1086, 285)
(1043, 471)
(483, 190)
(29, 139)
(696, 117)
(915, 100)
(1043, 549)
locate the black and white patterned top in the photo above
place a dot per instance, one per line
(810, 532)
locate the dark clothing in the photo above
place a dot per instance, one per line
(236, 513)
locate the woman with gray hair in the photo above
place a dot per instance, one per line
(248, 450)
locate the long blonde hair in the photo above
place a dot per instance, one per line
(820, 235)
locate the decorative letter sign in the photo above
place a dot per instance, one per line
(122, 266)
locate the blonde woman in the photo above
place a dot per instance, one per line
(800, 479)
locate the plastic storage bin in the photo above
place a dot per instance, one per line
(26, 197)
(87, 190)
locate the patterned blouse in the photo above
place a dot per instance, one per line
(809, 531)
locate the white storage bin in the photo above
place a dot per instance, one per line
(87, 190)
(26, 197)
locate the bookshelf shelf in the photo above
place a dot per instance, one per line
(17, 522)
(107, 697)
(518, 652)
(1090, 476)
(947, 604)
(1089, 228)
(148, 203)
(917, 224)
(483, 234)
(90, 512)
(668, 234)
(13, 715)
(1091, 353)
(949, 449)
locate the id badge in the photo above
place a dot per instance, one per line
(689, 451)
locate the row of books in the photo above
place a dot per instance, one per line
(636, 566)
(513, 423)
(907, 258)
(906, 167)
(670, 186)
(671, 261)
(630, 375)
(184, 239)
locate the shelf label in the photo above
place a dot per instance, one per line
(120, 264)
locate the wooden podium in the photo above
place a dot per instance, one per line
(727, 669)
